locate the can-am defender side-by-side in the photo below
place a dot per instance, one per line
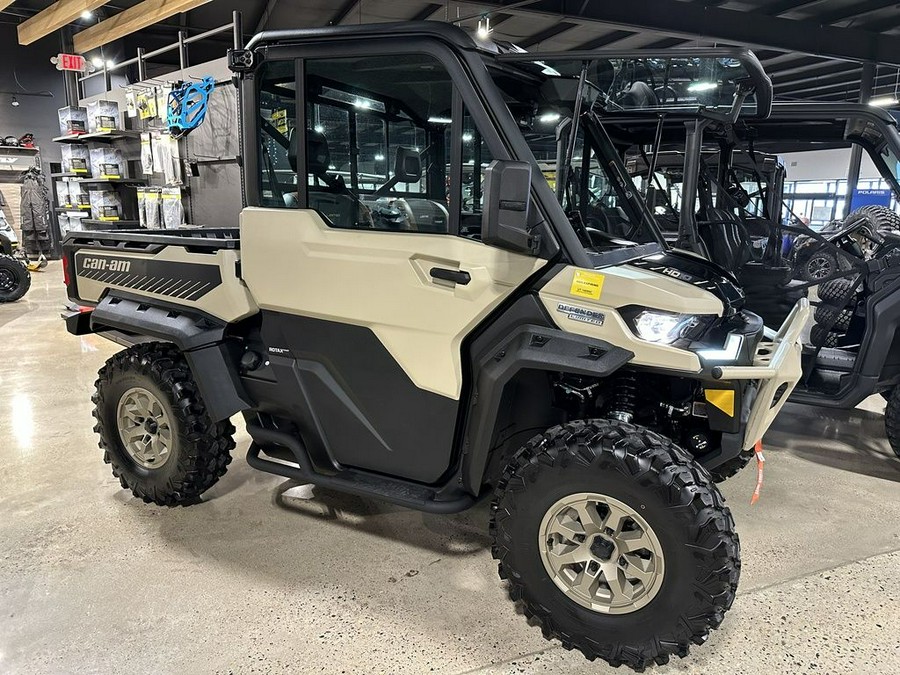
(854, 349)
(407, 312)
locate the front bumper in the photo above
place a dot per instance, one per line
(775, 372)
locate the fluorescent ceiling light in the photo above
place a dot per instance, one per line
(87, 14)
(440, 120)
(467, 137)
(379, 157)
(884, 101)
(319, 128)
(702, 86)
(549, 117)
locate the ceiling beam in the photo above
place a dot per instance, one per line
(852, 84)
(426, 12)
(726, 25)
(131, 20)
(5, 3)
(343, 12)
(854, 11)
(784, 6)
(545, 34)
(836, 68)
(56, 16)
(605, 40)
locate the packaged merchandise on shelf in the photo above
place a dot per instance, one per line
(141, 193)
(76, 160)
(78, 196)
(71, 222)
(145, 102)
(73, 120)
(172, 208)
(108, 163)
(103, 116)
(146, 154)
(105, 205)
(130, 103)
(152, 215)
(63, 193)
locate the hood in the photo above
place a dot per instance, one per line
(699, 272)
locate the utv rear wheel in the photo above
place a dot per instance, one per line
(154, 428)
(615, 542)
(15, 280)
(892, 419)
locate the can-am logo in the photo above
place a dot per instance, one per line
(678, 274)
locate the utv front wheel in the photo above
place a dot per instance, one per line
(154, 428)
(616, 542)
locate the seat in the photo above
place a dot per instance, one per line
(428, 215)
(722, 235)
(334, 200)
(638, 95)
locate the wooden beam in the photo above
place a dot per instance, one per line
(54, 17)
(131, 20)
(5, 3)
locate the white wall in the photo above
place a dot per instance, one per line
(825, 165)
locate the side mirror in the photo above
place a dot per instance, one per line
(507, 200)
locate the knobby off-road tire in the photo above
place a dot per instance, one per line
(820, 265)
(15, 279)
(820, 336)
(838, 320)
(835, 292)
(154, 428)
(646, 474)
(892, 418)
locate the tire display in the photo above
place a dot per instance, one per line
(615, 542)
(15, 279)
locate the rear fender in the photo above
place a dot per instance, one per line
(200, 338)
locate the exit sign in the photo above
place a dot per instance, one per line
(70, 62)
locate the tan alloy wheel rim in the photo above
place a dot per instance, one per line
(601, 553)
(144, 428)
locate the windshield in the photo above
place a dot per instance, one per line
(578, 160)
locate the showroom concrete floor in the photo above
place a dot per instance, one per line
(269, 577)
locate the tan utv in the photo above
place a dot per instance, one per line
(413, 310)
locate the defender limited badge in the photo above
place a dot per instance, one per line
(581, 314)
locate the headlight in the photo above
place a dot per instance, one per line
(665, 327)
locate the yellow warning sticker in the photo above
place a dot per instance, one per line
(723, 399)
(587, 284)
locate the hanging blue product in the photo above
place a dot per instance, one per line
(187, 105)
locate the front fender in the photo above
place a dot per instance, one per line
(527, 347)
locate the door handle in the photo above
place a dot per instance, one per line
(455, 276)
